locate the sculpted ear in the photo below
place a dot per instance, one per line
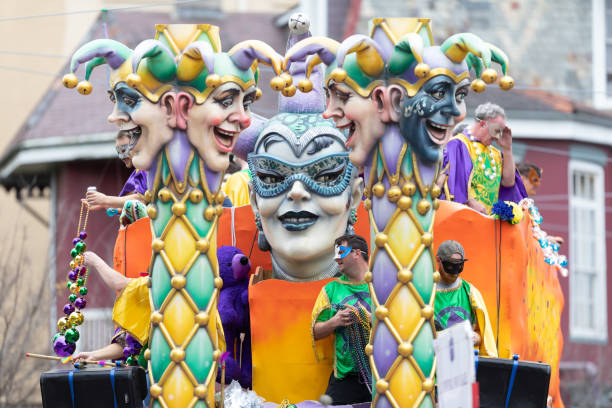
(389, 101)
(253, 198)
(177, 107)
(356, 193)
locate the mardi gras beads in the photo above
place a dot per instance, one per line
(64, 342)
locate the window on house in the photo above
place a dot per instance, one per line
(587, 294)
(97, 329)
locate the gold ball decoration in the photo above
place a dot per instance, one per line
(404, 203)
(213, 81)
(147, 354)
(156, 318)
(218, 282)
(506, 83)
(367, 204)
(84, 88)
(409, 188)
(289, 91)
(62, 324)
(428, 385)
(177, 355)
(258, 94)
(421, 70)
(200, 391)
(216, 355)
(394, 194)
(405, 349)
(155, 390)
(76, 318)
(305, 85)
(195, 196)
(164, 195)
(368, 277)
(152, 211)
(178, 282)
(427, 312)
(157, 245)
(78, 259)
(209, 213)
(404, 275)
(436, 191)
(427, 238)
(489, 75)
(378, 189)
(220, 197)
(381, 386)
(148, 196)
(133, 80)
(423, 206)
(369, 349)
(436, 203)
(74, 287)
(202, 245)
(73, 264)
(219, 210)
(380, 239)
(288, 79)
(179, 209)
(338, 75)
(70, 80)
(381, 312)
(202, 318)
(278, 83)
(478, 85)
(436, 276)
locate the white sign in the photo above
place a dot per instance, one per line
(455, 359)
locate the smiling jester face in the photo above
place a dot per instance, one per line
(144, 122)
(427, 119)
(214, 125)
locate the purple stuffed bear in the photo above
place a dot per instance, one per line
(234, 269)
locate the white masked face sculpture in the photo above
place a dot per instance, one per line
(304, 191)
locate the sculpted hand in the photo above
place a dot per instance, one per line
(96, 200)
(505, 141)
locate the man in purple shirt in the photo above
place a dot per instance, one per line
(133, 189)
(475, 172)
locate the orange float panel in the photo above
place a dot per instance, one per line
(132, 252)
(521, 291)
(284, 362)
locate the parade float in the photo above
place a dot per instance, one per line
(184, 103)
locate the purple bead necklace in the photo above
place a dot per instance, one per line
(64, 342)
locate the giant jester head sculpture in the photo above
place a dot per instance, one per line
(354, 71)
(180, 80)
(386, 78)
(428, 85)
(304, 187)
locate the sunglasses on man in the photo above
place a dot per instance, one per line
(453, 267)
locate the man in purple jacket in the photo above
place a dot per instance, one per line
(477, 173)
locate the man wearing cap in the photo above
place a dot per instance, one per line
(458, 300)
(343, 309)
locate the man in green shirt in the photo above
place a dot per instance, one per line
(343, 309)
(458, 300)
